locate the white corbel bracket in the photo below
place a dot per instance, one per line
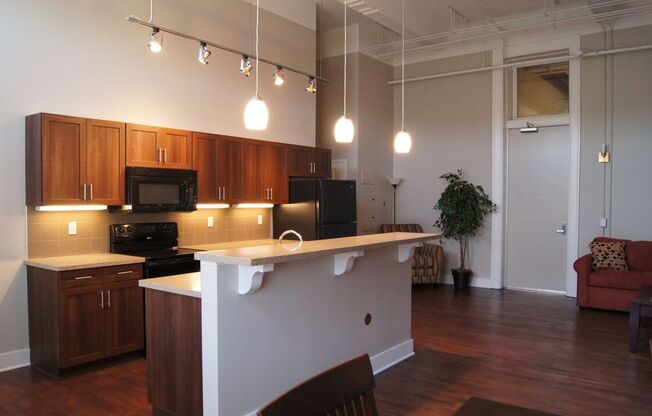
(251, 277)
(406, 251)
(343, 262)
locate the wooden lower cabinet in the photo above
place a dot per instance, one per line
(174, 364)
(85, 315)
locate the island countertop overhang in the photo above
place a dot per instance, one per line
(288, 251)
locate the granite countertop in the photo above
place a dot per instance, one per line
(290, 250)
(188, 284)
(231, 244)
(82, 261)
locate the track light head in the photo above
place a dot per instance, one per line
(245, 66)
(279, 76)
(155, 41)
(312, 85)
(204, 54)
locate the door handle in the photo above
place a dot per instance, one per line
(158, 155)
(126, 272)
(91, 191)
(561, 230)
(108, 292)
(84, 277)
(102, 299)
(271, 193)
(165, 155)
(84, 192)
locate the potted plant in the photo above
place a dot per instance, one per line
(463, 207)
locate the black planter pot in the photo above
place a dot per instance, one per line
(461, 278)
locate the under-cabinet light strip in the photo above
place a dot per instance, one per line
(53, 208)
(134, 19)
(213, 206)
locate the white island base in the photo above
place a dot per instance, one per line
(272, 320)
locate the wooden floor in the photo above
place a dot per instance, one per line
(521, 348)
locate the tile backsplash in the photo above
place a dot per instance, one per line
(47, 232)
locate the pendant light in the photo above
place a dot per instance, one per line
(256, 115)
(344, 129)
(403, 141)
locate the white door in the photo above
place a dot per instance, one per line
(537, 208)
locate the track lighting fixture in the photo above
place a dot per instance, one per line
(312, 85)
(155, 41)
(279, 76)
(256, 115)
(245, 66)
(204, 54)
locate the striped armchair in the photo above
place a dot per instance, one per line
(428, 260)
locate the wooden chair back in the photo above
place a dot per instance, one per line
(345, 390)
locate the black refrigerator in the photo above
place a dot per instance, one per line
(318, 209)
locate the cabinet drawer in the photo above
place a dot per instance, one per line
(82, 277)
(122, 273)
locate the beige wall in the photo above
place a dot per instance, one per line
(82, 58)
(620, 191)
(450, 122)
(48, 231)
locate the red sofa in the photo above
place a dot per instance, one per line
(610, 289)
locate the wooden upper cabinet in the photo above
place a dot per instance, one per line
(205, 162)
(252, 172)
(105, 162)
(143, 146)
(229, 170)
(154, 147)
(275, 172)
(176, 148)
(63, 144)
(322, 160)
(308, 162)
(72, 160)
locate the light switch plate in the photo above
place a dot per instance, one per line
(260, 219)
(72, 227)
(211, 222)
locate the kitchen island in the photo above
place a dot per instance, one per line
(274, 315)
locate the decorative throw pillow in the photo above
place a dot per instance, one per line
(608, 255)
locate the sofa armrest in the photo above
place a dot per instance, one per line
(583, 267)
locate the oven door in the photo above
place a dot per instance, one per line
(171, 266)
(161, 190)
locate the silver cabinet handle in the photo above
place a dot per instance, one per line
(126, 272)
(224, 192)
(91, 186)
(83, 277)
(102, 299)
(158, 155)
(108, 292)
(271, 193)
(165, 155)
(84, 192)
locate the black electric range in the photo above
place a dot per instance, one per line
(158, 243)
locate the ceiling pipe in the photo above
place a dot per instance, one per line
(527, 63)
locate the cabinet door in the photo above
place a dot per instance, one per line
(204, 161)
(176, 146)
(64, 141)
(322, 163)
(276, 177)
(229, 168)
(82, 325)
(252, 172)
(299, 162)
(124, 317)
(142, 146)
(105, 162)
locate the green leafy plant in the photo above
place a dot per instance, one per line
(463, 207)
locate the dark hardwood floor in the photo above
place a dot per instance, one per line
(521, 348)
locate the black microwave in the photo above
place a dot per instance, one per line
(161, 190)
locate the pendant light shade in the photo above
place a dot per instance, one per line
(256, 115)
(402, 142)
(344, 130)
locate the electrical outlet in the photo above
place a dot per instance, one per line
(603, 222)
(211, 222)
(260, 219)
(72, 227)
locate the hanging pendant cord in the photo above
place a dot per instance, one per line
(257, 17)
(345, 7)
(151, 11)
(403, 68)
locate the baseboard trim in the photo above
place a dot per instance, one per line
(392, 356)
(14, 359)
